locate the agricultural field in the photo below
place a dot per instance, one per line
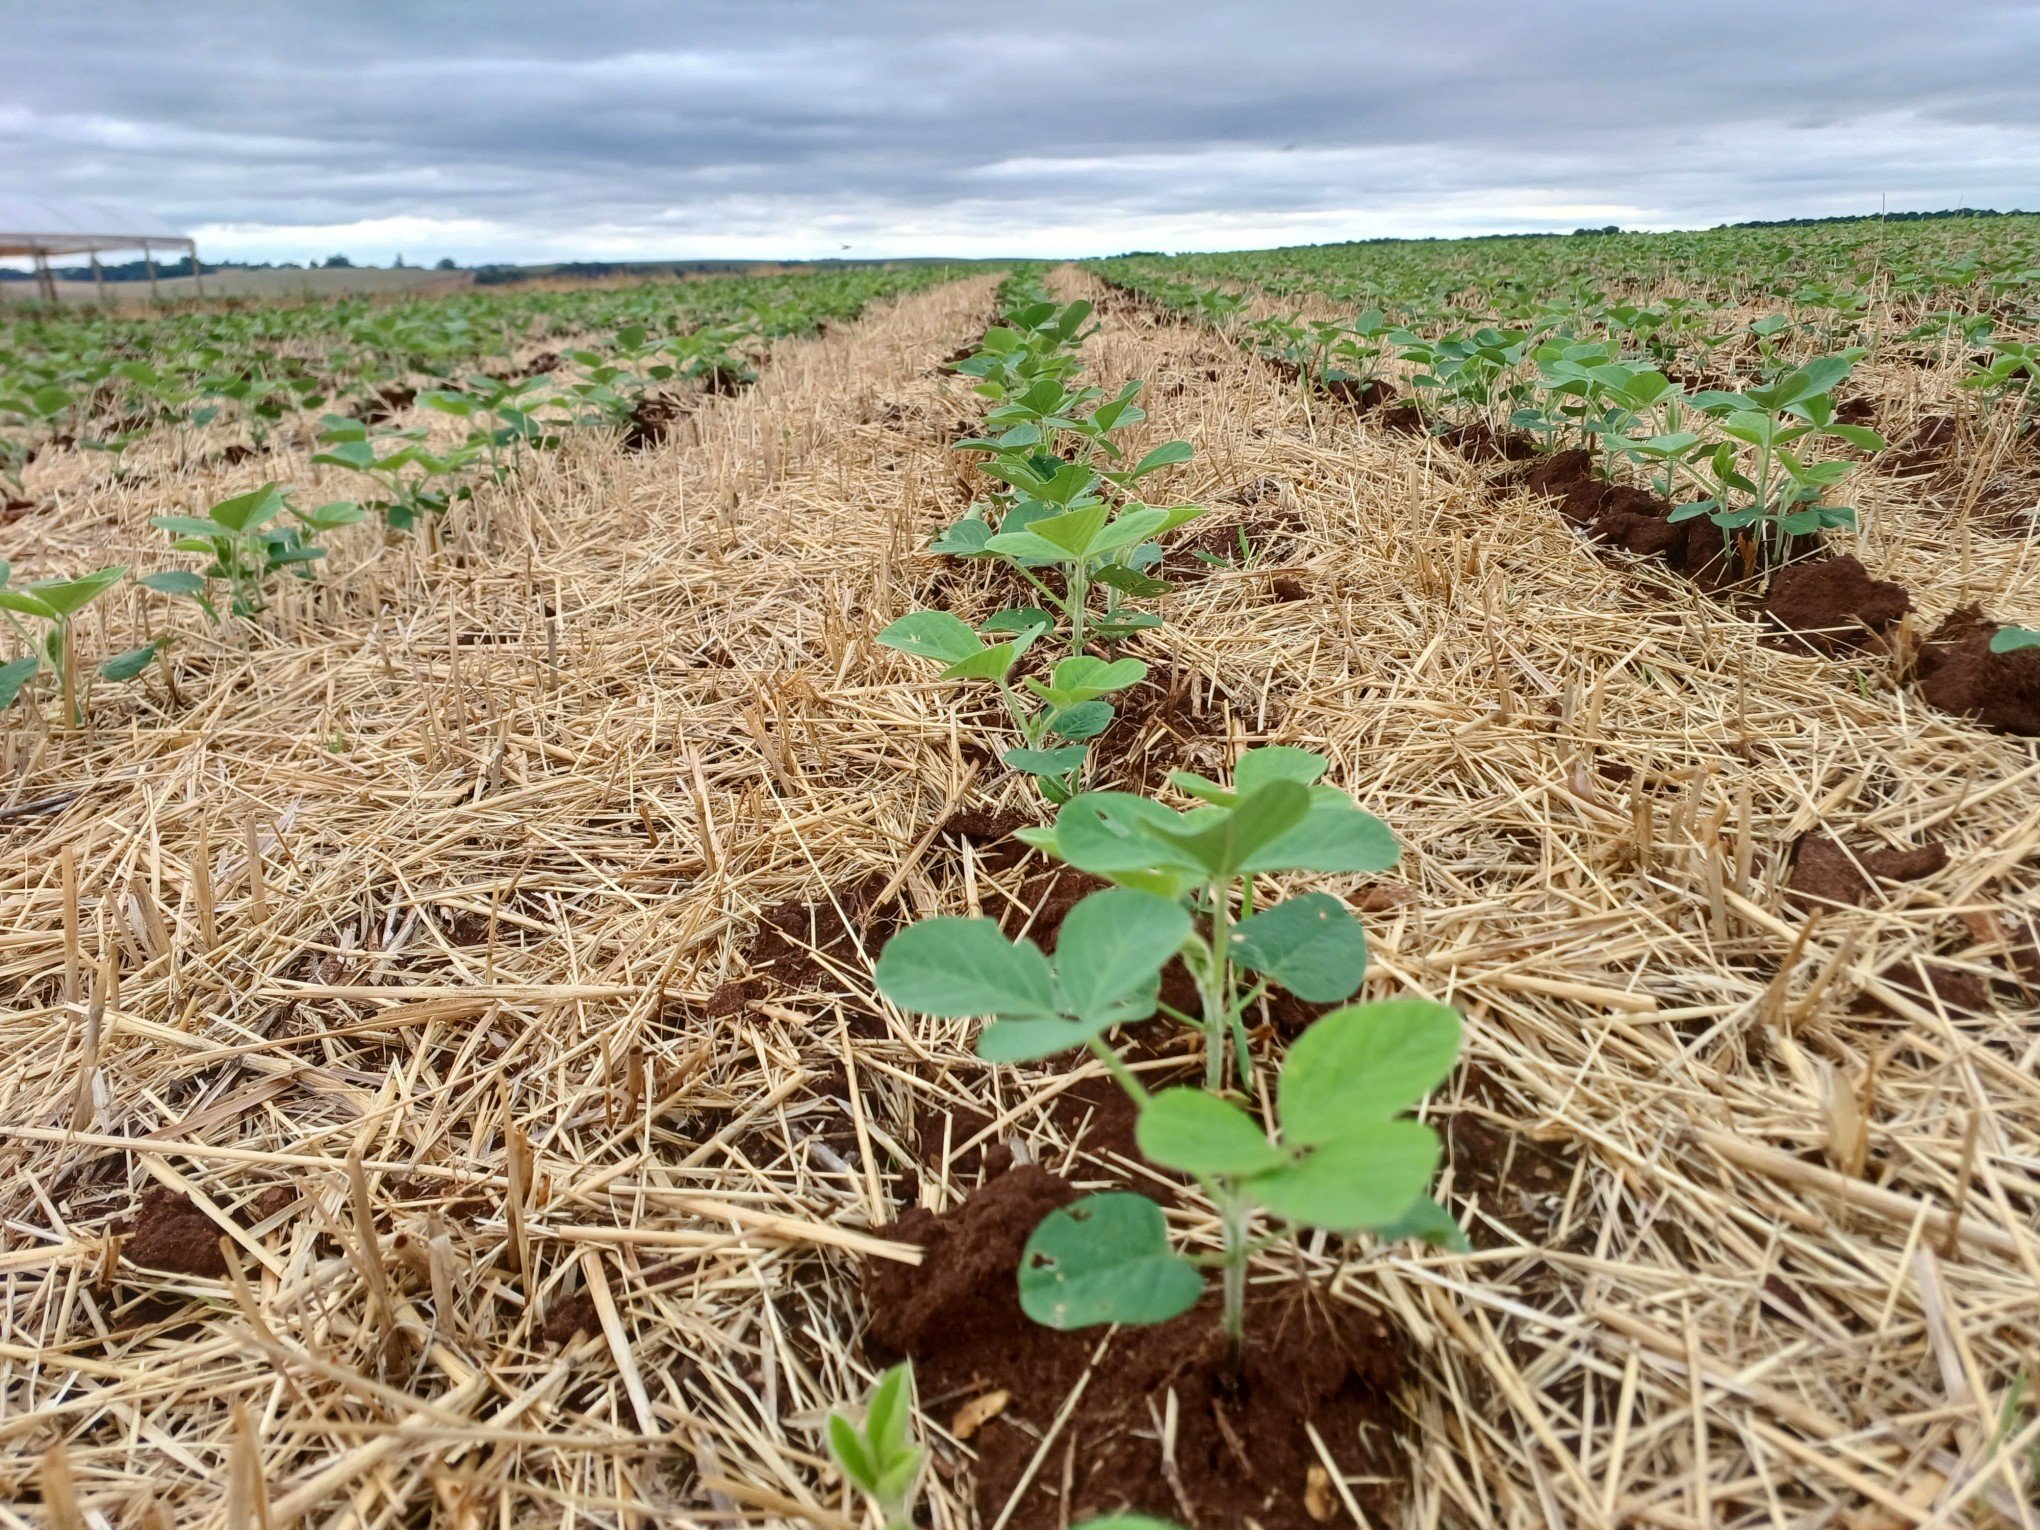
(1388, 884)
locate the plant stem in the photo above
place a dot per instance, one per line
(1234, 1215)
(1215, 991)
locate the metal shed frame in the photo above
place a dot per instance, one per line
(40, 229)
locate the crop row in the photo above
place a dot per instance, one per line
(1067, 522)
(242, 544)
(1734, 482)
(101, 382)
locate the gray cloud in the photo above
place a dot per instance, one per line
(509, 129)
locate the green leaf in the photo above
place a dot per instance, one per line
(1277, 762)
(1333, 836)
(1105, 1259)
(958, 967)
(1366, 1177)
(244, 512)
(15, 674)
(990, 663)
(1428, 1221)
(1111, 950)
(1199, 1133)
(1019, 619)
(1226, 844)
(847, 1446)
(1087, 719)
(125, 666)
(1046, 762)
(1366, 1062)
(67, 597)
(933, 635)
(2013, 639)
(966, 538)
(1166, 455)
(1312, 946)
(1073, 532)
(27, 604)
(1107, 832)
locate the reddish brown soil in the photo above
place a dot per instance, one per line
(794, 941)
(653, 420)
(1958, 673)
(1825, 871)
(12, 510)
(570, 1317)
(1155, 720)
(384, 402)
(1361, 399)
(1479, 442)
(170, 1233)
(1044, 900)
(1242, 1455)
(1832, 604)
(1944, 987)
(1286, 588)
(1406, 418)
(234, 454)
(1637, 521)
(1932, 444)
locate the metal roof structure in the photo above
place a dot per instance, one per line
(39, 228)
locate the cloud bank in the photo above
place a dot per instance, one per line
(507, 130)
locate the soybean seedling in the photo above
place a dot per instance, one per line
(1275, 817)
(54, 603)
(881, 1456)
(1068, 706)
(246, 546)
(1343, 1156)
(1773, 487)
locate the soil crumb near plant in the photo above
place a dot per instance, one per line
(170, 1233)
(1832, 604)
(1824, 871)
(1242, 1453)
(1958, 673)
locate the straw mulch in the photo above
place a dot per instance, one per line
(412, 948)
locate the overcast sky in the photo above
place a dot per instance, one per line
(507, 130)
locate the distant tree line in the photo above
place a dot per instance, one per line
(168, 264)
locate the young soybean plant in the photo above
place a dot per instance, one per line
(1068, 706)
(247, 546)
(1275, 817)
(881, 1457)
(54, 603)
(1343, 1157)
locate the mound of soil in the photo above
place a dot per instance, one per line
(1479, 442)
(1406, 418)
(385, 402)
(1825, 871)
(1637, 521)
(1958, 673)
(1832, 603)
(653, 420)
(1242, 1454)
(795, 943)
(1931, 445)
(170, 1233)
(1361, 399)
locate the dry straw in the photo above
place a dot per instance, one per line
(389, 943)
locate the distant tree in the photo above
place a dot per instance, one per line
(446, 264)
(398, 263)
(336, 263)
